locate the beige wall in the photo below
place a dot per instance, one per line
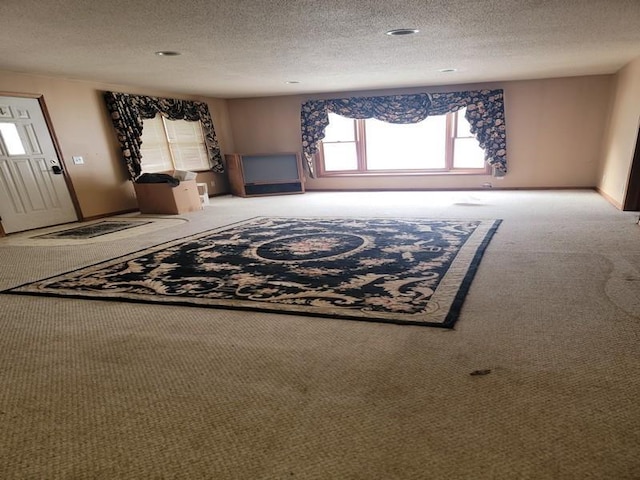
(621, 135)
(554, 134)
(82, 126)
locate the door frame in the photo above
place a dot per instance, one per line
(56, 146)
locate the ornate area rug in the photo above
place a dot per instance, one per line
(94, 230)
(405, 271)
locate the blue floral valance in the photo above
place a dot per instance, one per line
(127, 112)
(485, 114)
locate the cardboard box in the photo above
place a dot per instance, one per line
(183, 175)
(162, 198)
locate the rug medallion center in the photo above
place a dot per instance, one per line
(311, 247)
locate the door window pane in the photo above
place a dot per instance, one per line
(11, 139)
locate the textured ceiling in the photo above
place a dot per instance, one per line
(248, 48)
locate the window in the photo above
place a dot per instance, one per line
(438, 144)
(11, 139)
(172, 145)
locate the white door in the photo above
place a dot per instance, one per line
(33, 191)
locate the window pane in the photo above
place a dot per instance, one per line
(463, 128)
(179, 131)
(467, 153)
(11, 139)
(407, 146)
(186, 142)
(172, 144)
(190, 157)
(154, 149)
(340, 156)
(340, 129)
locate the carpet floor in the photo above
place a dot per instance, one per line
(539, 380)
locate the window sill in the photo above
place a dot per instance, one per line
(403, 174)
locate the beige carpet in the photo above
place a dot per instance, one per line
(105, 390)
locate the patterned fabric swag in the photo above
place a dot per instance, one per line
(127, 112)
(485, 114)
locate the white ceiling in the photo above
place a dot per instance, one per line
(248, 48)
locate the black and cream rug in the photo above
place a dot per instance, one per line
(405, 271)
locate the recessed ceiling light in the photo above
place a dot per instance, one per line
(167, 53)
(398, 32)
(448, 70)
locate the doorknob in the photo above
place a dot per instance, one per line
(56, 169)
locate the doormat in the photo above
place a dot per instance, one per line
(404, 271)
(94, 230)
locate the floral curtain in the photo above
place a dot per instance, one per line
(485, 114)
(127, 112)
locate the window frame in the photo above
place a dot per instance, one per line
(451, 132)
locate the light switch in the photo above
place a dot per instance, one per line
(78, 160)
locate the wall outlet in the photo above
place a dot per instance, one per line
(78, 160)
